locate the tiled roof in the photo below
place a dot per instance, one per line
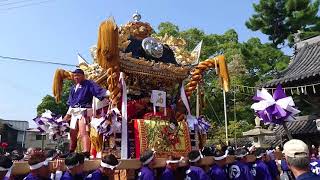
(304, 66)
(303, 125)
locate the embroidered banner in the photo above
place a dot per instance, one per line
(165, 138)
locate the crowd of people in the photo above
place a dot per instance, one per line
(297, 163)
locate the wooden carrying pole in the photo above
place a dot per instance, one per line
(21, 168)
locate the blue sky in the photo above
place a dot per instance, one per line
(58, 30)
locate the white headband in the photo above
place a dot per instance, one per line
(5, 169)
(262, 154)
(198, 158)
(149, 160)
(221, 157)
(270, 152)
(39, 165)
(72, 166)
(105, 165)
(242, 155)
(174, 161)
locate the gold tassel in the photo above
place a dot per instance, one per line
(57, 85)
(108, 57)
(107, 46)
(223, 73)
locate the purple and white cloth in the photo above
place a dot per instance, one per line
(274, 109)
(107, 129)
(200, 123)
(52, 124)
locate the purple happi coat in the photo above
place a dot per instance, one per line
(96, 175)
(82, 97)
(240, 171)
(262, 171)
(273, 168)
(196, 173)
(146, 173)
(168, 175)
(30, 176)
(217, 172)
(67, 176)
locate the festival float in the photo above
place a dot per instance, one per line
(150, 80)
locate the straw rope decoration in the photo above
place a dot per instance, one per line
(58, 78)
(196, 76)
(108, 57)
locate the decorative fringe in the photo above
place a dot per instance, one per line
(108, 57)
(107, 46)
(57, 85)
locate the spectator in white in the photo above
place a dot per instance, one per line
(6, 165)
(297, 155)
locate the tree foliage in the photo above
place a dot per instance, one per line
(250, 63)
(48, 102)
(281, 19)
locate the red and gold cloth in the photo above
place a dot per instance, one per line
(159, 135)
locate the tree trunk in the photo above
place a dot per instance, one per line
(287, 130)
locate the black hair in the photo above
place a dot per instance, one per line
(81, 157)
(259, 151)
(5, 162)
(51, 153)
(193, 154)
(241, 152)
(146, 155)
(110, 159)
(208, 151)
(218, 153)
(72, 159)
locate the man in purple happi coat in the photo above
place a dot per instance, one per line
(80, 104)
(217, 170)
(147, 160)
(73, 171)
(240, 169)
(262, 170)
(106, 170)
(39, 169)
(272, 165)
(172, 165)
(195, 172)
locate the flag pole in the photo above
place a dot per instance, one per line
(225, 116)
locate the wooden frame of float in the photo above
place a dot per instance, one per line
(22, 167)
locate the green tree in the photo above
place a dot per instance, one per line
(262, 61)
(249, 63)
(48, 102)
(281, 19)
(168, 28)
